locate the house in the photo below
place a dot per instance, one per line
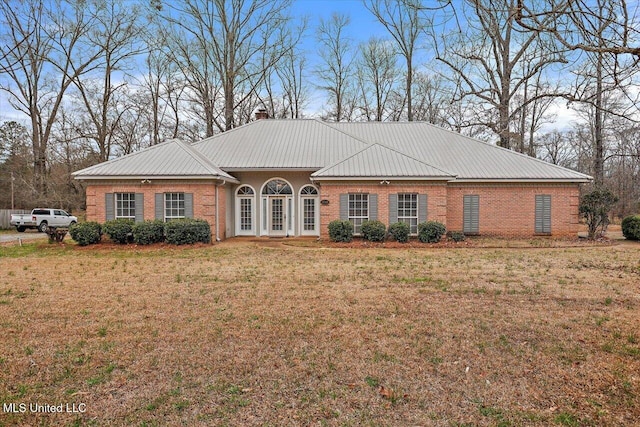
(293, 177)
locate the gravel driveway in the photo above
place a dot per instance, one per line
(27, 235)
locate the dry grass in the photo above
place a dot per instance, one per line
(240, 334)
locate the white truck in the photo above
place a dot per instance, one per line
(42, 219)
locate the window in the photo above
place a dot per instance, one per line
(277, 186)
(173, 206)
(309, 198)
(125, 205)
(543, 214)
(358, 210)
(408, 211)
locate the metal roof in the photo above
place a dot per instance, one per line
(361, 149)
(378, 161)
(466, 157)
(279, 144)
(172, 158)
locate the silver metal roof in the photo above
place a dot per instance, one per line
(465, 157)
(363, 149)
(172, 158)
(279, 144)
(378, 161)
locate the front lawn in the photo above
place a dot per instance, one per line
(245, 334)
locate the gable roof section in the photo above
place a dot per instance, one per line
(378, 161)
(307, 144)
(468, 158)
(170, 159)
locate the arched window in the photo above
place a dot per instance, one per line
(309, 211)
(309, 190)
(275, 187)
(245, 202)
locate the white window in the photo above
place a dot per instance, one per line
(310, 215)
(245, 201)
(125, 205)
(358, 210)
(408, 211)
(173, 206)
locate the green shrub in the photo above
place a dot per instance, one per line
(148, 232)
(631, 227)
(119, 230)
(431, 231)
(400, 231)
(341, 231)
(86, 233)
(594, 208)
(187, 231)
(373, 231)
(456, 236)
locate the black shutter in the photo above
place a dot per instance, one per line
(139, 212)
(188, 205)
(543, 214)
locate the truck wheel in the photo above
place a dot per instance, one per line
(72, 223)
(21, 229)
(43, 227)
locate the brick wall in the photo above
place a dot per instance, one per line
(509, 209)
(436, 199)
(204, 199)
(505, 209)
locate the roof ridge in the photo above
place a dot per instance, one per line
(127, 156)
(373, 145)
(199, 157)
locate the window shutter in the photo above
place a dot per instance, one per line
(344, 207)
(373, 207)
(393, 208)
(159, 208)
(188, 205)
(422, 208)
(543, 213)
(471, 214)
(108, 207)
(139, 207)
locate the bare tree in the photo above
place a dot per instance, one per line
(378, 78)
(404, 21)
(494, 61)
(225, 48)
(118, 39)
(43, 55)
(336, 71)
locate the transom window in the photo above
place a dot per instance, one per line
(309, 190)
(408, 211)
(358, 210)
(125, 205)
(277, 186)
(173, 206)
(245, 190)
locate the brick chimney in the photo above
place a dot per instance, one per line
(262, 114)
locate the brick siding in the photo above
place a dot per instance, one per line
(506, 210)
(204, 199)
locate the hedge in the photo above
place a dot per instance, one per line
(373, 231)
(341, 231)
(187, 231)
(86, 233)
(400, 231)
(148, 232)
(119, 230)
(431, 231)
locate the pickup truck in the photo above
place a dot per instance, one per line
(42, 219)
